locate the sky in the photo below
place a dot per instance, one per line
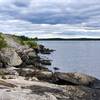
(50, 18)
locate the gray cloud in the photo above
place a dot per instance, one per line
(64, 17)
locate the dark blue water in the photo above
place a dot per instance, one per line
(75, 56)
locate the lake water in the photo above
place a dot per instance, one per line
(75, 56)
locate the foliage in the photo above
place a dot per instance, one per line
(23, 40)
(31, 44)
(3, 43)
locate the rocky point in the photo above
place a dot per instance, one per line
(23, 75)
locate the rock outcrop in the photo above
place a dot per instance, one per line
(23, 76)
(76, 79)
(36, 90)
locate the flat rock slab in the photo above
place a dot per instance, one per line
(76, 79)
(32, 90)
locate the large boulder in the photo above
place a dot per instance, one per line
(76, 79)
(10, 57)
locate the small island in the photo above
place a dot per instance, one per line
(23, 75)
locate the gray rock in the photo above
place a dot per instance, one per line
(1, 65)
(50, 96)
(34, 79)
(19, 95)
(44, 76)
(26, 72)
(32, 54)
(50, 93)
(8, 71)
(67, 92)
(76, 79)
(30, 66)
(10, 57)
(46, 91)
(9, 77)
(7, 84)
(12, 71)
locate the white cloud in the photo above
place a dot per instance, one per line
(20, 27)
(48, 18)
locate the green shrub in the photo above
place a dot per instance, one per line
(31, 44)
(23, 40)
(3, 43)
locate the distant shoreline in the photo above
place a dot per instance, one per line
(70, 39)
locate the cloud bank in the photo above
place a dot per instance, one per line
(50, 18)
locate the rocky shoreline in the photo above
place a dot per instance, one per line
(23, 76)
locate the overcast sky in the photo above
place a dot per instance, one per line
(50, 18)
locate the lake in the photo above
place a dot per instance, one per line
(75, 56)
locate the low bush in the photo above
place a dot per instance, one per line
(23, 40)
(31, 44)
(3, 43)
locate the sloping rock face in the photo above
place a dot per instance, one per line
(76, 79)
(19, 89)
(10, 57)
(4, 95)
(76, 88)
(46, 91)
(68, 92)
